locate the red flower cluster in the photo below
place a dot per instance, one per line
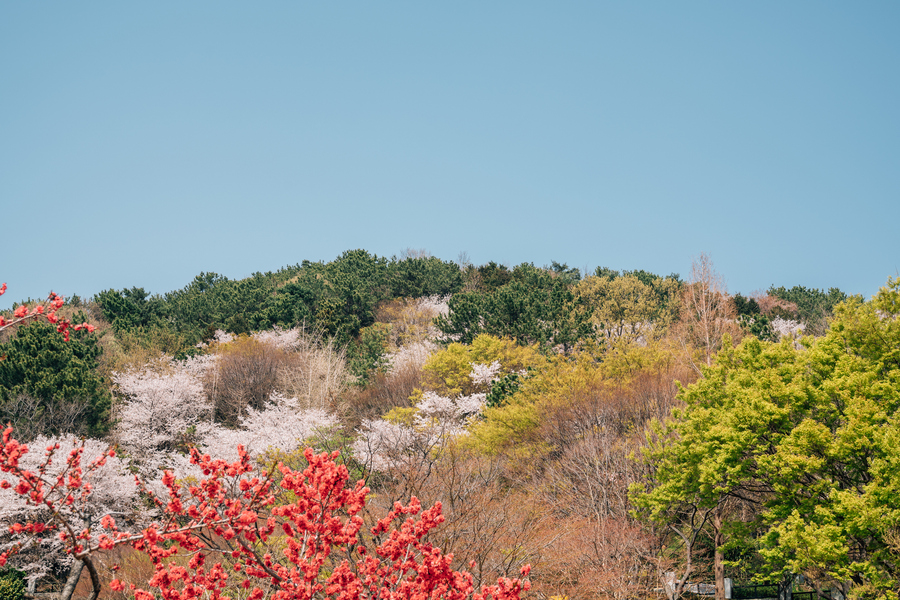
(47, 310)
(313, 521)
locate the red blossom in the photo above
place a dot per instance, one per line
(315, 519)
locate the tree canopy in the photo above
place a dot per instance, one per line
(805, 433)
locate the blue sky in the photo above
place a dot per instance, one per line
(144, 143)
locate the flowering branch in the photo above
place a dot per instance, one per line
(314, 521)
(46, 310)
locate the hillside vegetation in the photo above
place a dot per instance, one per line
(607, 428)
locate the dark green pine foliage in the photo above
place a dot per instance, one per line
(337, 298)
(367, 354)
(415, 277)
(130, 309)
(40, 364)
(751, 319)
(211, 301)
(505, 387)
(814, 307)
(493, 276)
(534, 307)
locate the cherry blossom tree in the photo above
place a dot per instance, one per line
(162, 401)
(283, 426)
(112, 492)
(388, 444)
(276, 533)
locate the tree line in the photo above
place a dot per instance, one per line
(550, 411)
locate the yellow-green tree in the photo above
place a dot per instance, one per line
(806, 433)
(625, 307)
(448, 371)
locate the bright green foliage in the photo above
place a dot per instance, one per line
(563, 398)
(12, 584)
(808, 434)
(448, 371)
(513, 425)
(536, 306)
(629, 306)
(889, 300)
(39, 363)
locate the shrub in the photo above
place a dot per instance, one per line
(12, 584)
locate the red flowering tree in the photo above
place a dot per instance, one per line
(281, 534)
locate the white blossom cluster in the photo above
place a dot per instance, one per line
(165, 407)
(485, 374)
(219, 337)
(436, 305)
(411, 356)
(162, 401)
(113, 492)
(385, 445)
(282, 426)
(285, 339)
(787, 327)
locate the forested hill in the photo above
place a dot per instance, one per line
(594, 425)
(340, 299)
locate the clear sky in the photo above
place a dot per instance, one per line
(142, 143)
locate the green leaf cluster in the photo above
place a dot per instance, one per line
(12, 584)
(635, 305)
(448, 371)
(804, 440)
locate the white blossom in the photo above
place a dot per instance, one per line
(162, 402)
(219, 337)
(471, 405)
(285, 339)
(113, 492)
(282, 425)
(485, 374)
(787, 327)
(412, 355)
(436, 305)
(384, 445)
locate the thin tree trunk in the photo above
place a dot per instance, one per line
(75, 574)
(72, 581)
(718, 557)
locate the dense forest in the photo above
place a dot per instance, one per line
(625, 433)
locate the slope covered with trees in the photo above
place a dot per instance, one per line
(606, 428)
